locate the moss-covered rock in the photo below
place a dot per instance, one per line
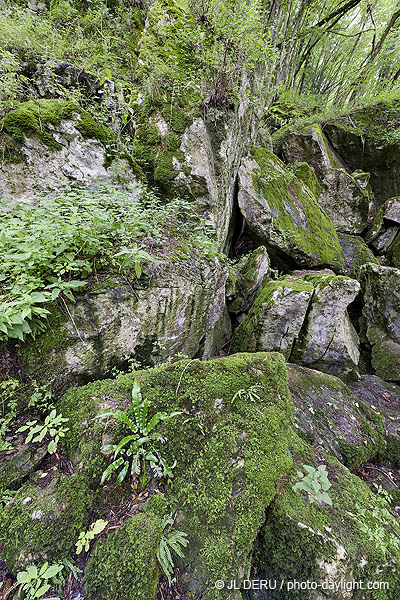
(283, 214)
(44, 523)
(346, 198)
(356, 253)
(230, 449)
(355, 539)
(381, 322)
(306, 173)
(276, 317)
(124, 564)
(304, 317)
(329, 415)
(20, 464)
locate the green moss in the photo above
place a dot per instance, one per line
(124, 564)
(33, 118)
(303, 171)
(286, 195)
(164, 171)
(46, 526)
(229, 454)
(390, 454)
(174, 118)
(171, 142)
(354, 538)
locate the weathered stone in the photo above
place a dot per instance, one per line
(328, 415)
(282, 214)
(305, 317)
(19, 463)
(381, 318)
(356, 254)
(315, 544)
(384, 232)
(276, 318)
(252, 271)
(384, 398)
(346, 199)
(328, 341)
(177, 309)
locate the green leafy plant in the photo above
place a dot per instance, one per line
(171, 540)
(85, 537)
(8, 401)
(249, 393)
(35, 583)
(7, 496)
(52, 427)
(316, 483)
(142, 445)
(41, 399)
(134, 256)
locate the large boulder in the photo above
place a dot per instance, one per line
(283, 214)
(381, 318)
(177, 308)
(383, 398)
(332, 417)
(230, 448)
(346, 198)
(276, 318)
(328, 340)
(356, 254)
(305, 317)
(51, 143)
(313, 550)
(252, 270)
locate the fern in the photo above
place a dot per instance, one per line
(172, 540)
(141, 445)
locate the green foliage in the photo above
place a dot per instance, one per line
(41, 399)
(249, 394)
(171, 539)
(142, 445)
(85, 537)
(52, 428)
(49, 248)
(8, 409)
(315, 483)
(34, 583)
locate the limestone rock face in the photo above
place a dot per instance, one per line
(356, 253)
(176, 310)
(276, 318)
(328, 340)
(306, 319)
(206, 170)
(384, 233)
(76, 159)
(346, 198)
(384, 398)
(253, 270)
(283, 214)
(381, 318)
(330, 415)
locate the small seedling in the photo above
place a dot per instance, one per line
(315, 483)
(52, 426)
(85, 537)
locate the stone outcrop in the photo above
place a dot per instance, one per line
(306, 319)
(178, 308)
(381, 318)
(346, 198)
(283, 214)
